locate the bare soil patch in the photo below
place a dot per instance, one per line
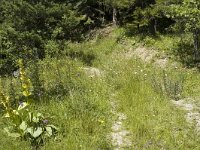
(93, 72)
(120, 136)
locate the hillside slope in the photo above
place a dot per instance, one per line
(116, 92)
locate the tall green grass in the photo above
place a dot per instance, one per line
(78, 103)
(153, 121)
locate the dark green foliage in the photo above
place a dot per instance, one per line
(42, 27)
(187, 16)
(27, 26)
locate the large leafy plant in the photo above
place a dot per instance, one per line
(24, 123)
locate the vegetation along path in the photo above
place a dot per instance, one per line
(143, 115)
(119, 136)
(143, 82)
(100, 74)
(148, 55)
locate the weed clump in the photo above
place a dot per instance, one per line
(168, 85)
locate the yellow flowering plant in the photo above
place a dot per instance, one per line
(26, 82)
(27, 125)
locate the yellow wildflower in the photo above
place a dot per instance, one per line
(24, 86)
(26, 93)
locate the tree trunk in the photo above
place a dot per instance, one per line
(155, 25)
(138, 27)
(103, 19)
(196, 45)
(152, 27)
(114, 16)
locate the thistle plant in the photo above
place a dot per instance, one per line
(25, 124)
(171, 86)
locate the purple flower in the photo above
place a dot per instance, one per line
(45, 121)
(21, 104)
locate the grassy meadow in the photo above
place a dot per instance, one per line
(155, 123)
(80, 104)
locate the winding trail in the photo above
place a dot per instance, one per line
(120, 136)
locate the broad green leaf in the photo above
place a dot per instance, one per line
(30, 130)
(49, 131)
(23, 126)
(52, 126)
(38, 132)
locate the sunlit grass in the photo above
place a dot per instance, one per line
(81, 104)
(154, 122)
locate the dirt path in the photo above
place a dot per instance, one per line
(93, 72)
(192, 112)
(148, 55)
(119, 136)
